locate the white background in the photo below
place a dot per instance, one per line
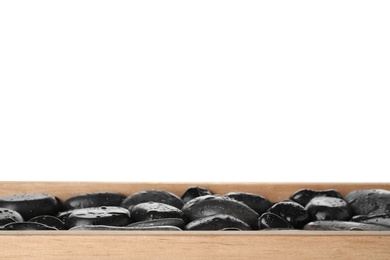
(195, 90)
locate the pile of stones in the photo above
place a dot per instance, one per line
(198, 209)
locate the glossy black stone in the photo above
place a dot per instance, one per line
(337, 225)
(31, 205)
(114, 228)
(50, 221)
(292, 212)
(194, 192)
(305, 195)
(327, 208)
(176, 222)
(110, 215)
(9, 216)
(209, 205)
(27, 226)
(63, 215)
(256, 202)
(152, 196)
(270, 220)
(95, 199)
(155, 210)
(217, 222)
(380, 219)
(230, 229)
(365, 202)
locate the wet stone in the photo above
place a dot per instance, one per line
(304, 196)
(194, 192)
(343, 226)
(155, 210)
(8, 216)
(230, 229)
(31, 205)
(27, 226)
(379, 219)
(327, 208)
(110, 215)
(114, 228)
(256, 202)
(365, 202)
(63, 215)
(270, 220)
(210, 205)
(95, 199)
(217, 222)
(176, 222)
(50, 221)
(152, 196)
(293, 212)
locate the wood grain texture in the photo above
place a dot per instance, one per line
(292, 244)
(194, 245)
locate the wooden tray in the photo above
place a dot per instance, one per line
(295, 244)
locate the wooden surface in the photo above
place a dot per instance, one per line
(190, 244)
(194, 245)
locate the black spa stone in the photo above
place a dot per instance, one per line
(9, 216)
(110, 215)
(95, 199)
(256, 202)
(63, 215)
(270, 220)
(217, 222)
(50, 221)
(327, 208)
(194, 192)
(176, 222)
(31, 205)
(27, 226)
(379, 219)
(155, 210)
(305, 195)
(291, 211)
(152, 196)
(337, 225)
(114, 228)
(365, 202)
(209, 205)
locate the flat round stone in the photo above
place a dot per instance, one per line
(94, 199)
(256, 202)
(270, 220)
(328, 208)
(110, 215)
(63, 215)
(365, 202)
(194, 192)
(343, 226)
(210, 205)
(217, 222)
(292, 212)
(114, 228)
(176, 222)
(31, 205)
(50, 221)
(27, 226)
(305, 195)
(152, 196)
(379, 219)
(155, 210)
(8, 216)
